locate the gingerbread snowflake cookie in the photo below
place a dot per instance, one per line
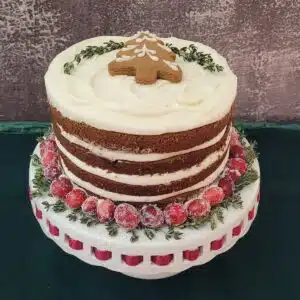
(147, 58)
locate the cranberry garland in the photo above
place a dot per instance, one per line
(208, 208)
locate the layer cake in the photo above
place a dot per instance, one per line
(138, 142)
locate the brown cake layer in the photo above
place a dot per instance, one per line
(140, 190)
(162, 143)
(171, 164)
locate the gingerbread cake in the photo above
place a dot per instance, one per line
(141, 119)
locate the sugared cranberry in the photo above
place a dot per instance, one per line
(197, 207)
(152, 216)
(127, 216)
(162, 260)
(237, 151)
(47, 145)
(132, 260)
(175, 214)
(235, 175)
(105, 210)
(52, 172)
(214, 195)
(75, 198)
(235, 138)
(89, 206)
(237, 164)
(50, 158)
(227, 185)
(60, 187)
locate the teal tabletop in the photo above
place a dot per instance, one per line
(263, 265)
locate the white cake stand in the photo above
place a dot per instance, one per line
(94, 246)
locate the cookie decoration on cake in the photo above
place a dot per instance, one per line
(147, 58)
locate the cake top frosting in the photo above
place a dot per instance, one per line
(118, 103)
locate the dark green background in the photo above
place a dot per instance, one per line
(263, 265)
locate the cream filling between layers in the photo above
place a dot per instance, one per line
(121, 197)
(144, 180)
(122, 155)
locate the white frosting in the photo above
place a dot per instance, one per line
(149, 179)
(121, 197)
(122, 155)
(118, 103)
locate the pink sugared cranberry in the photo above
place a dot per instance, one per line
(235, 137)
(102, 254)
(50, 158)
(75, 198)
(127, 216)
(162, 260)
(60, 187)
(227, 185)
(191, 254)
(237, 151)
(105, 210)
(47, 145)
(175, 214)
(51, 172)
(132, 260)
(152, 216)
(234, 174)
(197, 207)
(214, 195)
(237, 164)
(89, 206)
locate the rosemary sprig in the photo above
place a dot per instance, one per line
(88, 220)
(190, 54)
(112, 228)
(173, 233)
(134, 235)
(57, 207)
(89, 52)
(149, 233)
(40, 184)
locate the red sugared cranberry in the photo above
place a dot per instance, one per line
(235, 175)
(75, 198)
(60, 187)
(235, 138)
(175, 214)
(105, 210)
(89, 206)
(127, 216)
(47, 145)
(162, 260)
(52, 172)
(237, 151)
(197, 207)
(152, 216)
(191, 254)
(227, 185)
(132, 260)
(50, 158)
(214, 195)
(237, 164)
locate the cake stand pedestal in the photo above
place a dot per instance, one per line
(146, 259)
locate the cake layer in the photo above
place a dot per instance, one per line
(163, 143)
(118, 104)
(120, 166)
(160, 199)
(143, 190)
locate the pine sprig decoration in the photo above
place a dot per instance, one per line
(89, 52)
(40, 184)
(112, 228)
(173, 233)
(134, 235)
(57, 207)
(149, 233)
(190, 54)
